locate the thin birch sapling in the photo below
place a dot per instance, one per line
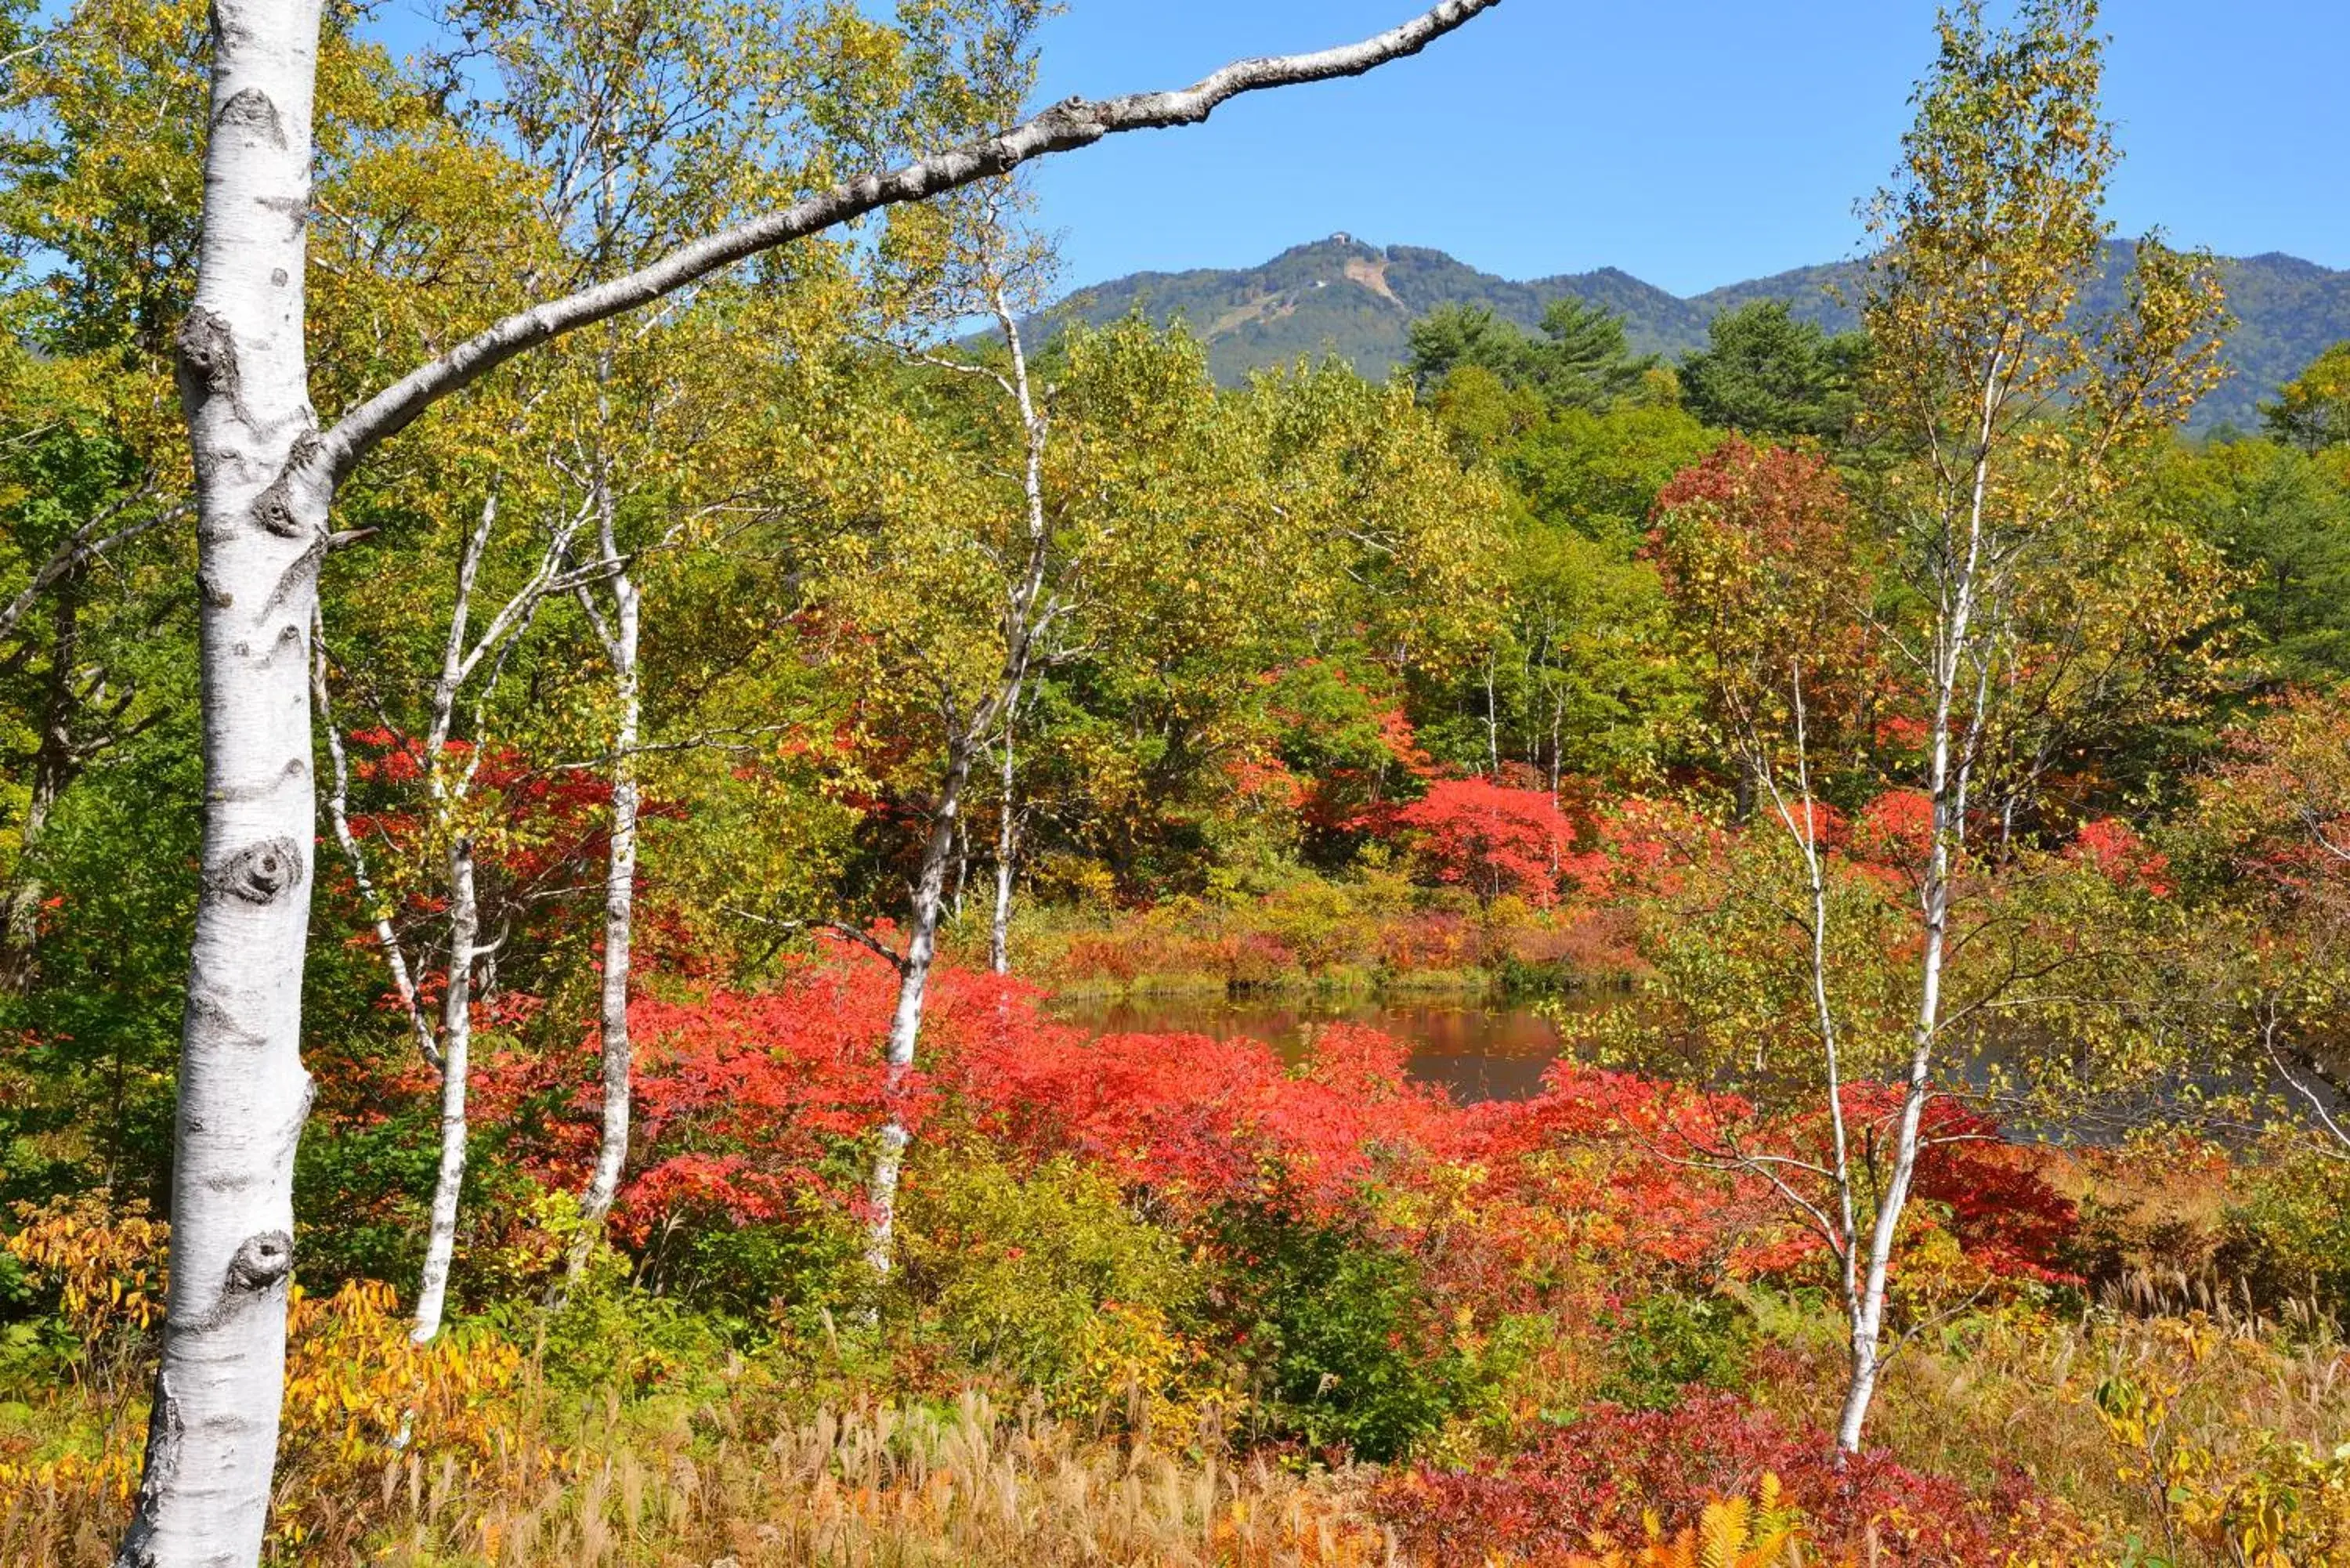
(448, 776)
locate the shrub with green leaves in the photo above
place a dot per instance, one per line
(1342, 1350)
(2288, 1238)
(1664, 1343)
(1012, 1270)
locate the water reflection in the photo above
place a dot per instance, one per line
(1488, 1049)
(1477, 1048)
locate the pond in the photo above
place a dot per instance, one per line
(1480, 1048)
(1493, 1048)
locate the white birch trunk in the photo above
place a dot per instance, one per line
(1557, 725)
(1946, 782)
(1868, 1323)
(906, 1021)
(1492, 722)
(203, 1498)
(338, 811)
(1007, 848)
(456, 1051)
(1021, 621)
(620, 916)
(448, 1049)
(1841, 1230)
(1027, 613)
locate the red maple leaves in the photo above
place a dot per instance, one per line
(1491, 839)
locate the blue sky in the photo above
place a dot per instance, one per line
(1690, 142)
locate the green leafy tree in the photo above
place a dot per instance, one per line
(2280, 519)
(1586, 361)
(1764, 373)
(2312, 411)
(1599, 472)
(1454, 337)
(1580, 361)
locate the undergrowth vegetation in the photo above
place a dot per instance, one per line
(1166, 1299)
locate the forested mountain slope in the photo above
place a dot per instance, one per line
(1357, 300)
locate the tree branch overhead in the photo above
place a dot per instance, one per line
(1066, 126)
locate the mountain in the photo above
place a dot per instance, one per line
(1358, 301)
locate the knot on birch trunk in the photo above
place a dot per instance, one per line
(262, 1262)
(259, 872)
(250, 110)
(206, 349)
(276, 509)
(1072, 117)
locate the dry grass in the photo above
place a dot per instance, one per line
(589, 1483)
(1997, 1396)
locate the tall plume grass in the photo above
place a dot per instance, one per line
(594, 1483)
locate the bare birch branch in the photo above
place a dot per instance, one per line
(1066, 126)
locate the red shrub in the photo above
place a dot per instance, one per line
(750, 1105)
(2114, 849)
(1257, 958)
(1491, 840)
(744, 1102)
(1197, 1121)
(2006, 1216)
(1643, 847)
(1894, 829)
(2003, 1211)
(1598, 1476)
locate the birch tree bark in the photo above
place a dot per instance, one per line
(265, 479)
(1029, 614)
(1838, 1219)
(1007, 849)
(1960, 719)
(1036, 432)
(619, 633)
(914, 986)
(243, 1092)
(448, 1048)
(2020, 407)
(456, 1061)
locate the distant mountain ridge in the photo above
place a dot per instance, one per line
(1357, 300)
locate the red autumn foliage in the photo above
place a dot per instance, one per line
(1990, 1195)
(1599, 1475)
(752, 1105)
(747, 1103)
(1642, 847)
(1268, 780)
(549, 833)
(2003, 1211)
(1198, 1122)
(1781, 509)
(1893, 831)
(2113, 849)
(1491, 839)
(1755, 549)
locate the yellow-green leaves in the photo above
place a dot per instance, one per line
(2313, 410)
